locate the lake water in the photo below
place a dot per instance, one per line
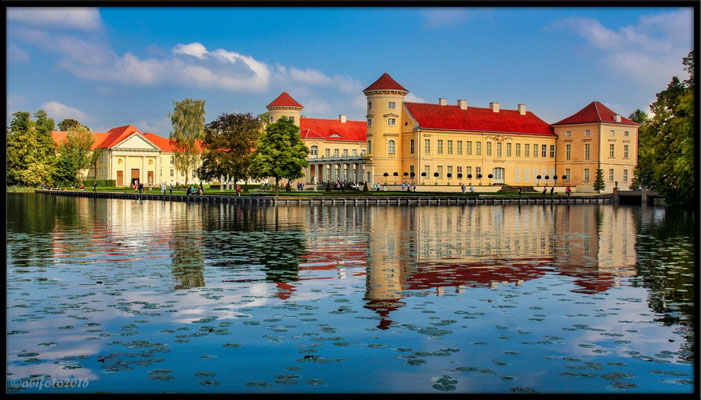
(172, 297)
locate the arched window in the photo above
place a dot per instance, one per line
(314, 151)
(391, 147)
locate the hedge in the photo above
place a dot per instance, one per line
(100, 183)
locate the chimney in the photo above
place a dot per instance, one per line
(494, 107)
(462, 104)
(342, 118)
(441, 101)
(617, 117)
(522, 109)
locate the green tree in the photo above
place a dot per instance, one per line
(280, 153)
(599, 184)
(74, 155)
(666, 150)
(228, 147)
(638, 116)
(188, 128)
(29, 157)
(69, 124)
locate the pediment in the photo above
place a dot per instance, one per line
(136, 142)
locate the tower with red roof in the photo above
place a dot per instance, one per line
(284, 106)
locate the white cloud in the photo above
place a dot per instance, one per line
(57, 17)
(412, 98)
(161, 127)
(59, 112)
(649, 51)
(443, 17)
(16, 54)
(192, 49)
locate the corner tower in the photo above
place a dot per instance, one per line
(385, 103)
(285, 106)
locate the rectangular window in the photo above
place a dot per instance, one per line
(450, 147)
(411, 146)
(625, 151)
(611, 175)
(489, 148)
(427, 146)
(625, 175)
(625, 133)
(450, 170)
(552, 151)
(535, 150)
(468, 147)
(586, 174)
(567, 174)
(587, 133)
(613, 132)
(171, 161)
(172, 172)
(427, 170)
(518, 149)
(499, 152)
(508, 149)
(587, 151)
(355, 152)
(369, 122)
(328, 151)
(369, 105)
(440, 146)
(478, 148)
(468, 170)
(335, 152)
(569, 133)
(440, 172)
(391, 121)
(345, 152)
(391, 104)
(411, 169)
(527, 150)
(544, 150)
(459, 147)
(568, 152)
(478, 171)
(459, 168)
(612, 152)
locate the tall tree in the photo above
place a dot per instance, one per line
(228, 145)
(74, 155)
(188, 128)
(666, 153)
(638, 116)
(29, 156)
(280, 153)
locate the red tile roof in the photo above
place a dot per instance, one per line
(332, 129)
(165, 144)
(435, 116)
(111, 138)
(285, 100)
(594, 112)
(385, 82)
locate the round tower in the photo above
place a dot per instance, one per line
(385, 102)
(284, 106)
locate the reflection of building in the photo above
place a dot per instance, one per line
(437, 143)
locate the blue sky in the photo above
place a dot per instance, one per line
(113, 66)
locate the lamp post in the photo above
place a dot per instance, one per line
(555, 179)
(423, 175)
(385, 175)
(546, 180)
(412, 175)
(538, 178)
(469, 176)
(460, 178)
(449, 176)
(490, 176)
(396, 174)
(435, 175)
(479, 176)
(405, 175)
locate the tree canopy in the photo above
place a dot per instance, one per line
(228, 146)
(74, 155)
(187, 118)
(280, 153)
(666, 137)
(30, 149)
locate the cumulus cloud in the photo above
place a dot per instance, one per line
(443, 17)
(412, 98)
(16, 54)
(59, 112)
(57, 17)
(649, 51)
(192, 49)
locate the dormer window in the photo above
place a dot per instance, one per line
(391, 104)
(391, 121)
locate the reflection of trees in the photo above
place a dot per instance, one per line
(666, 267)
(187, 262)
(245, 237)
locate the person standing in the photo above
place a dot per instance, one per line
(568, 190)
(472, 189)
(171, 188)
(519, 191)
(238, 190)
(462, 187)
(552, 191)
(94, 186)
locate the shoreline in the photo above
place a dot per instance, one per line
(396, 200)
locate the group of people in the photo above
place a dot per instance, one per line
(409, 187)
(472, 188)
(137, 187)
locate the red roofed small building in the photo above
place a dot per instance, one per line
(127, 155)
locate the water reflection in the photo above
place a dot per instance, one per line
(397, 264)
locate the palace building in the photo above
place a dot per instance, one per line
(442, 144)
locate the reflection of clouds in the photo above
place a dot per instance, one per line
(55, 370)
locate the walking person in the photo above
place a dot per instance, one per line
(94, 186)
(238, 190)
(462, 187)
(545, 190)
(552, 191)
(171, 188)
(568, 190)
(472, 189)
(519, 191)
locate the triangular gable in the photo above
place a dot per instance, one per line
(135, 141)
